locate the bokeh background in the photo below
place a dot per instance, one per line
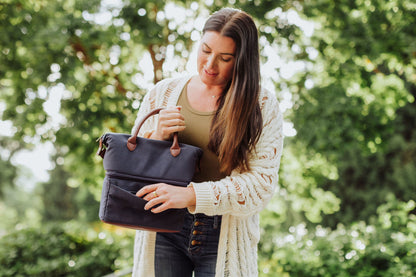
(344, 72)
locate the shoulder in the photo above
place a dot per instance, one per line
(163, 85)
(163, 90)
(168, 84)
(171, 82)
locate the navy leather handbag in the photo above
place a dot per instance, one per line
(132, 162)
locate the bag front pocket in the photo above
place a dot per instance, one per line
(123, 207)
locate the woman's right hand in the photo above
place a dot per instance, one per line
(170, 121)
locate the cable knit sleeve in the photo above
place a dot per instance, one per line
(243, 194)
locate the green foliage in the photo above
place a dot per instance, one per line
(58, 209)
(359, 113)
(61, 250)
(384, 248)
(56, 52)
(7, 175)
(354, 112)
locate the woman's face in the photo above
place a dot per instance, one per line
(216, 59)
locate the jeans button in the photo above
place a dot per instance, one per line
(195, 242)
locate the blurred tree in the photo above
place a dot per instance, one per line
(8, 174)
(71, 70)
(84, 58)
(353, 96)
(53, 54)
(59, 203)
(360, 113)
(61, 250)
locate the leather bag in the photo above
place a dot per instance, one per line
(132, 162)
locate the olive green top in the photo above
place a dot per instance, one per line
(196, 133)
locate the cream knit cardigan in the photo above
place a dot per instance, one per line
(238, 198)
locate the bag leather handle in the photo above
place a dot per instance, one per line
(175, 149)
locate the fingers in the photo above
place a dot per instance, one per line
(162, 196)
(155, 199)
(175, 110)
(171, 118)
(170, 121)
(150, 193)
(154, 202)
(169, 126)
(158, 209)
(146, 190)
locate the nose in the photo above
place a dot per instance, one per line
(211, 61)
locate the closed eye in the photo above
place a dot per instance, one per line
(225, 59)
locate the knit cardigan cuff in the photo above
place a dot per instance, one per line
(204, 202)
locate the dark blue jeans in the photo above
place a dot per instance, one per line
(194, 249)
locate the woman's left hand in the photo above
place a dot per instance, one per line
(168, 196)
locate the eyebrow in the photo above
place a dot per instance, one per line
(229, 54)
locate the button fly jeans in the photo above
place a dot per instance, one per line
(194, 249)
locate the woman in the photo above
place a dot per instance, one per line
(224, 111)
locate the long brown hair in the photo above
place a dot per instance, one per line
(237, 124)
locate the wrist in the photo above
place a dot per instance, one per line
(192, 198)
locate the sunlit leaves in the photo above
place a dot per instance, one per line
(363, 82)
(347, 69)
(385, 247)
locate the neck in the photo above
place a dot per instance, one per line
(202, 97)
(211, 90)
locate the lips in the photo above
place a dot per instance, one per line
(209, 73)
